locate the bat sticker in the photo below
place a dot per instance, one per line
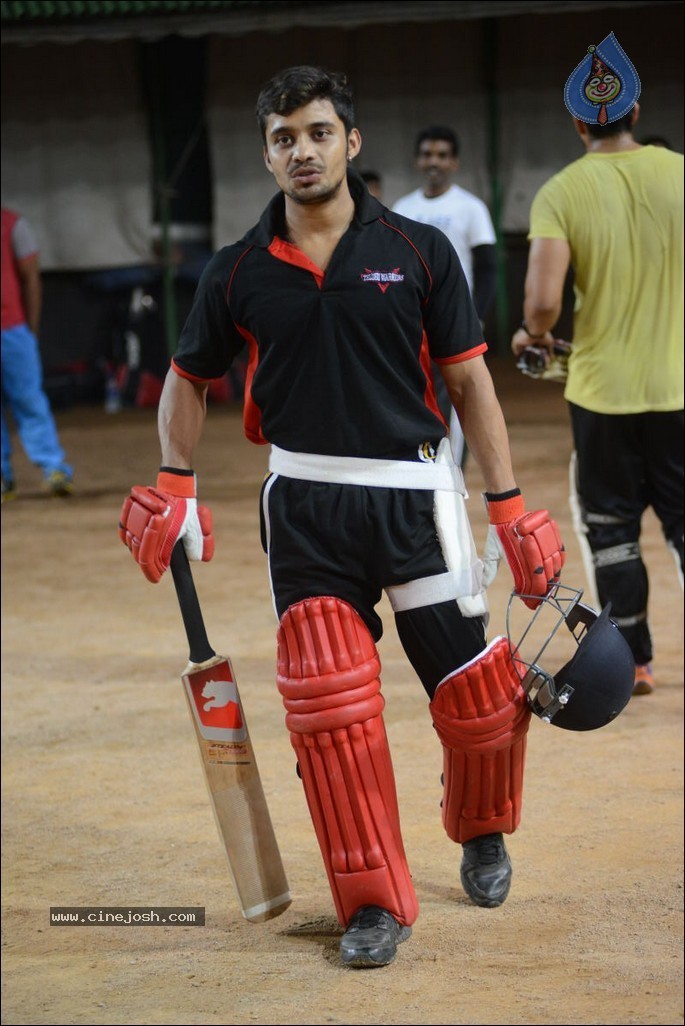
(216, 705)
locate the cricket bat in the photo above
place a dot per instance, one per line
(229, 763)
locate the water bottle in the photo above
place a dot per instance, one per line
(112, 395)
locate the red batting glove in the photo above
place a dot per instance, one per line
(530, 543)
(154, 519)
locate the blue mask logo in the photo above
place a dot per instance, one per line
(605, 85)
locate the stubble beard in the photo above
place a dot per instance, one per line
(314, 196)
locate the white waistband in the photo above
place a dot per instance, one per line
(442, 474)
(427, 591)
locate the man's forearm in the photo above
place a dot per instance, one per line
(31, 293)
(488, 440)
(180, 419)
(540, 319)
(480, 415)
(548, 262)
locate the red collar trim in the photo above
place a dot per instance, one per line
(290, 254)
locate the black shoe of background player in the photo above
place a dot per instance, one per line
(371, 938)
(486, 870)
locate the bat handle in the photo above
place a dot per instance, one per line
(200, 649)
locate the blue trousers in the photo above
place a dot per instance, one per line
(23, 395)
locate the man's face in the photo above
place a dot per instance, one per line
(307, 151)
(438, 165)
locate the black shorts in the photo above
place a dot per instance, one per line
(346, 540)
(352, 541)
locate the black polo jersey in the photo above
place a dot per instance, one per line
(339, 362)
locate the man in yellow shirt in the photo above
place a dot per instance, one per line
(616, 216)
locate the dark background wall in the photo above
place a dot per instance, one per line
(197, 159)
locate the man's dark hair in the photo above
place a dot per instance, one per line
(296, 87)
(624, 124)
(438, 133)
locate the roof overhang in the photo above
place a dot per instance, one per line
(59, 21)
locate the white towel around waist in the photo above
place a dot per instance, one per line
(441, 474)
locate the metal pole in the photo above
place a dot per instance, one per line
(490, 60)
(163, 192)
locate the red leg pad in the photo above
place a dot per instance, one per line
(328, 675)
(481, 715)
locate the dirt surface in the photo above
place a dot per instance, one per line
(105, 805)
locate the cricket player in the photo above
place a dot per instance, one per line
(342, 305)
(616, 216)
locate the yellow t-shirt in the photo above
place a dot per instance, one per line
(622, 215)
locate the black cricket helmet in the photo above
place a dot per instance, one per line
(595, 684)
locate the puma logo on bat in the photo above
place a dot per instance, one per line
(219, 692)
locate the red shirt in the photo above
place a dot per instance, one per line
(16, 247)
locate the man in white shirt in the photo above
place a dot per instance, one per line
(463, 218)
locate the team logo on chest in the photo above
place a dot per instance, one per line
(384, 279)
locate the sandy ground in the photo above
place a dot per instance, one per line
(105, 805)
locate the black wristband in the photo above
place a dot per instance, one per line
(175, 470)
(530, 334)
(501, 496)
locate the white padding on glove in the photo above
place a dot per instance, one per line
(191, 531)
(493, 553)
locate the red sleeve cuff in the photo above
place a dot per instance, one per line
(186, 374)
(461, 357)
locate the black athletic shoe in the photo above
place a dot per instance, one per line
(371, 938)
(486, 870)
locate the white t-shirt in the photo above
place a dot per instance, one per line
(463, 218)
